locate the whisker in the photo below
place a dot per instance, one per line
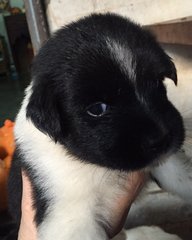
(187, 148)
(181, 150)
(188, 132)
(188, 142)
(188, 119)
(188, 127)
(188, 137)
(186, 111)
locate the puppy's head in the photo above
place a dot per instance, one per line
(98, 90)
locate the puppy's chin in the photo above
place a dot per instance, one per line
(162, 158)
(159, 160)
(125, 155)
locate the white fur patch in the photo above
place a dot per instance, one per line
(175, 175)
(124, 58)
(181, 97)
(81, 194)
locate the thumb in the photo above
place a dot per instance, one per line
(27, 229)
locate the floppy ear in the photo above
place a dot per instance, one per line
(43, 110)
(171, 71)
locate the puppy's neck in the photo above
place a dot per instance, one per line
(78, 192)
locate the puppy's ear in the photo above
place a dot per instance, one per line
(171, 71)
(43, 111)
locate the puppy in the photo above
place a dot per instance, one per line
(95, 110)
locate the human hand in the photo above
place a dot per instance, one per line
(135, 181)
(27, 229)
(134, 184)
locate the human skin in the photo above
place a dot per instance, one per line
(135, 181)
(27, 229)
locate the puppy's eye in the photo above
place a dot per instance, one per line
(97, 109)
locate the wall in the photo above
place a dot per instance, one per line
(3, 32)
(61, 12)
(2, 26)
(16, 3)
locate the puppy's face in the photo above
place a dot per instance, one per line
(98, 90)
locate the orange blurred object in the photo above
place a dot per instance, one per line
(7, 147)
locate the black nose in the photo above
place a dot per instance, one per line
(157, 143)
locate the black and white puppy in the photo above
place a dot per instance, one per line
(95, 110)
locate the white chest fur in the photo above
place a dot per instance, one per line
(77, 190)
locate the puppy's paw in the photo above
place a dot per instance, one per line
(147, 233)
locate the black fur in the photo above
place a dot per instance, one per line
(76, 69)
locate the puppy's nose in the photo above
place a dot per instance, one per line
(156, 143)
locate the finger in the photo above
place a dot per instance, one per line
(135, 182)
(27, 226)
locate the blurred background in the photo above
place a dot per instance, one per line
(26, 24)
(16, 54)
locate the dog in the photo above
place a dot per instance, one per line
(95, 110)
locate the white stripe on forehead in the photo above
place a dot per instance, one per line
(124, 58)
